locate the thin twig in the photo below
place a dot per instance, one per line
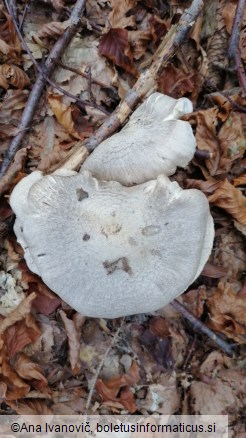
(236, 27)
(39, 85)
(146, 83)
(240, 72)
(86, 76)
(26, 7)
(102, 361)
(202, 154)
(198, 325)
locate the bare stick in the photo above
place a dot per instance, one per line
(146, 83)
(240, 72)
(86, 75)
(198, 325)
(235, 33)
(94, 380)
(39, 85)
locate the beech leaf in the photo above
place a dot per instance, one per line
(115, 46)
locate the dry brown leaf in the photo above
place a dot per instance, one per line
(20, 334)
(27, 369)
(14, 75)
(127, 400)
(163, 398)
(139, 41)
(229, 252)
(231, 199)
(73, 343)
(10, 46)
(120, 8)
(31, 407)
(115, 46)
(53, 29)
(213, 398)
(207, 187)
(226, 145)
(239, 181)
(109, 389)
(159, 327)
(227, 310)
(212, 271)
(20, 312)
(70, 118)
(158, 28)
(175, 83)
(46, 301)
(16, 387)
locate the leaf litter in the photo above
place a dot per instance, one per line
(158, 363)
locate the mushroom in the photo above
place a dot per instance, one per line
(111, 250)
(153, 142)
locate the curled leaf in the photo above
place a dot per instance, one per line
(73, 342)
(231, 199)
(14, 75)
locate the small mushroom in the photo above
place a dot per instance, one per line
(111, 250)
(153, 142)
(118, 250)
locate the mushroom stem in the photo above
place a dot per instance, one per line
(198, 325)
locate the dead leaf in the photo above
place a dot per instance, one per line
(46, 301)
(213, 397)
(163, 398)
(115, 46)
(207, 187)
(158, 28)
(16, 387)
(20, 312)
(176, 83)
(27, 369)
(119, 17)
(139, 41)
(10, 46)
(109, 389)
(70, 118)
(73, 343)
(127, 400)
(231, 199)
(212, 271)
(53, 29)
(20, 334)
(225, 144)
(227, 310)
(14, 75)
(31, 407)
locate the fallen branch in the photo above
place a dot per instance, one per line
(199, 326)
(146, 83)
(235, 33)
(233, 51)
(39, 85)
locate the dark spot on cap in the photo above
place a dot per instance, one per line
(81, 194)
(121, 263)
(86, 237)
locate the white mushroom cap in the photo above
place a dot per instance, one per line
(153, 142)
(110, 250)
